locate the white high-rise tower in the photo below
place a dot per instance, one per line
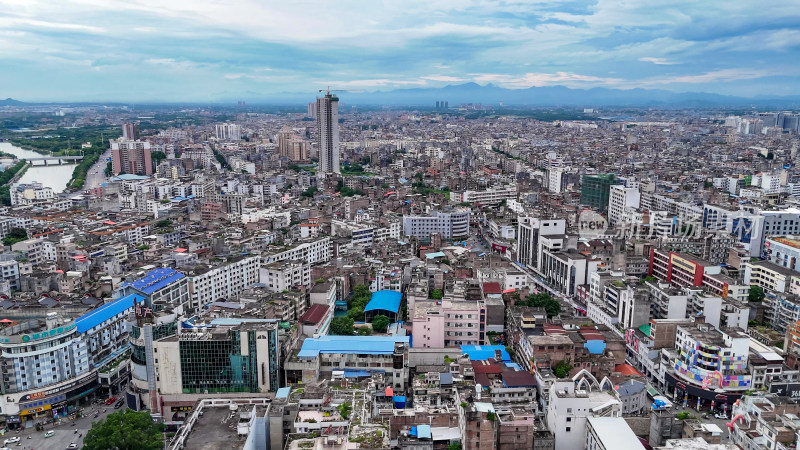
(328, 133)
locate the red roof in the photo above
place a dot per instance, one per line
(486, 368)
(627, 369)
(492, 287)
(314, 314)
(388, 392)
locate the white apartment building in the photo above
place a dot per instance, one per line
(30, 193)
(285, 275)
(228, 131)
(449, 224)
(620, 199)
(311, 252)
(224, 282)
(490, 196)
(529, 233)
(610, 433)
(569, 408)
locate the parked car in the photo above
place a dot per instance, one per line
(720, 416)
(111, 400)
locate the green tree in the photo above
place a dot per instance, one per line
(344, 409)
(310, 192)
(380, 323)
(342, 326)
(14, 236)
(125, 430)
(756, 294)
(551, 306)
(164, 223)
(436, 294)
(562, 369)
(157, 156)
(454, 446)
(364, 331)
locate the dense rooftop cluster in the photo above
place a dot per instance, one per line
(475, 282)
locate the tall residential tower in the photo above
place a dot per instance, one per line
(328, 133)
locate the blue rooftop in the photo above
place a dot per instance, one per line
(97, 316)
(484, 352)
(385, 300)
(155, 280)
(595, 346)
(128, 177)
(283, 392)
(370, 345)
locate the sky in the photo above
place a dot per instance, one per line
(198, 50)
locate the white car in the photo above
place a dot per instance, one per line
(720, 416)
(11, 440)
(72, 446)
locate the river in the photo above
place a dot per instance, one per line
(54, 176)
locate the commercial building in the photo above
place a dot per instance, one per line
(165, 299)
(687, 271)
(328, 133)
(709, 364)
(230, 355)
(50, 365)
(131, 157)
(783, 251)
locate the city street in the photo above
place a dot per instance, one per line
(64, 432)
(96, 174)
(721, 423)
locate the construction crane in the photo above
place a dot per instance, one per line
(329, 90)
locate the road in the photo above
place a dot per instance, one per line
(64, 433)
(721, 423)
(96, 175)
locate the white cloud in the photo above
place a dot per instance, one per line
(711, 77)
(366, 84)
(16, 22)
(444, 78)
(658, 61)
(544, 79)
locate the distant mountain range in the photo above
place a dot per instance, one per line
(492, 95)
(550, 96)
(11, 102)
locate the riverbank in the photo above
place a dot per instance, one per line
(25, 146)
(9, 177)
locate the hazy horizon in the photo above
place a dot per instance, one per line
(195, 52)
